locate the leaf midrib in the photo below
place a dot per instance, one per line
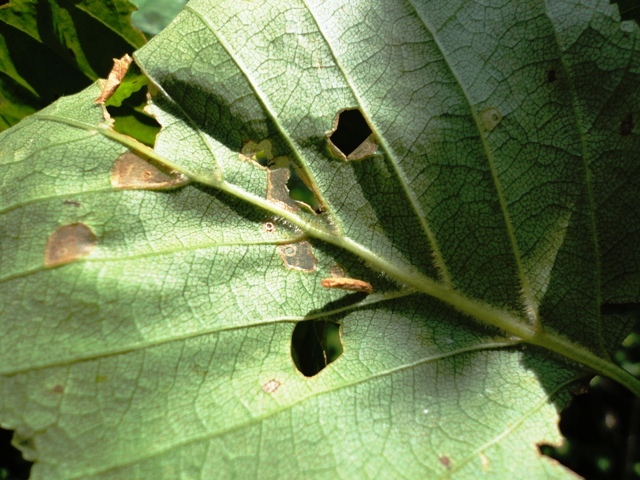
(484, 313)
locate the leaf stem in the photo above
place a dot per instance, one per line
(504, 320)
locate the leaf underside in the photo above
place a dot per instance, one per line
(498, 207)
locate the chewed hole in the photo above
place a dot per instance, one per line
(314, 345)
(351, 132)
(13, 463)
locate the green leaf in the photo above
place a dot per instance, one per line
(54, 48)
(154, 15)
(149, 329)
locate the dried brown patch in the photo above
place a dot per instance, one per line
(269, 227)
(133, 172)
(69, 243)
(298, 256)
(337, 271)
(117, 73)
(277, 190)
(350, 284)
(446, 461)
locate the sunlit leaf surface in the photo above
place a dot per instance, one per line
(489, 211)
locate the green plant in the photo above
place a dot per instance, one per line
(151, 294)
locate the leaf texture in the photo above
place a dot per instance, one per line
(498, 209)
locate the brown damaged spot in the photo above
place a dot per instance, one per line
(277, 190)
(117, 73)
(69, 243)
(271, 386)
(446, 461)
(350, 284)
(490, 118)
(298, 256)
(133, 172)
(337, 271)
(269, 227)
(351, 137)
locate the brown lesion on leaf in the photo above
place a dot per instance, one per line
(350, 284)
(131, 171)
(111, 84)
(298, 256)
(269, 227)
(351, 137)
(271, 386)
(446, 461)
(490, 118)
(337, 271)
(277, 190)
(68, 244)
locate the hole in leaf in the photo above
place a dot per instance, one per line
(13, 465)
(551, 76)
(69, 243)
(314, 345)
(626, 126)
(351, 136)
(260, 153)
(300, 189)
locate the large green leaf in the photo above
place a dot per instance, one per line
(148, 333)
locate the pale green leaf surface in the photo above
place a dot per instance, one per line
(149, 357)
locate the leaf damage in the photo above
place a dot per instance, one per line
(490, 118)
(350, 284)
(271, 386)
(130, 171)
(68, 244)
(111, 84)
(351, 137)
(298, 256)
